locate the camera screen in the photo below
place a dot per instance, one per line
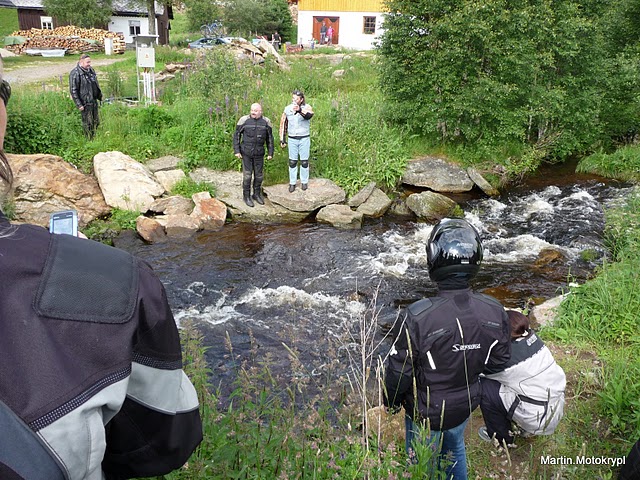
(63, 225)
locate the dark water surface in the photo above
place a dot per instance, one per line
(308, 285)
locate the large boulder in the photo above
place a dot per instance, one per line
(481, 182)
(430, 205)
(210, 212)
(44, 184)
(437, 174)
(340, 216)
(228, 187)
(362, 196)
(125, 183)
(376, 204)
(321, 192)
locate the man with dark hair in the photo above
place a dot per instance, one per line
(252, 133)
(86, 93)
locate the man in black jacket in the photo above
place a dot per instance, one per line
(443, 345)
(85, 92)
(253, 131)
(91, 379)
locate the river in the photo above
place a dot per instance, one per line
(310, 286)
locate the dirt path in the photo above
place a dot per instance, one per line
(40, 70)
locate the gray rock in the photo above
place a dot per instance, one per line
(150, 230)
(125, 183)
(340, 216)
(229, 191)
(376, 205)
(181, 225)
(438, 175)
(161, 164)
(546, 312)
(361, 197)
(399, 207)
(321, 192)
(173, 205)
(169, 178)
(480, 181)
(211, 213)
(430, 205)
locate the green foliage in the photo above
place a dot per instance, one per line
(623, 164)
(105, 230)
(490, 73)
(8, 21)
(83, 13)
(187, 187)
(200, 12)
(278, 18)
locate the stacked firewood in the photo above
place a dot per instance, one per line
(71, 38)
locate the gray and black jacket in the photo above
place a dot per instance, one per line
(91, 379)
(83, 86)
(251, 136)
(445, 343)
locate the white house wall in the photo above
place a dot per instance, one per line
(350, 34)
(121, 24)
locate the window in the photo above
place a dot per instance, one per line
(46, 23)
(134, 27)
(369, 27)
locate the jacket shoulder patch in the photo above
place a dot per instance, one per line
(420, 306)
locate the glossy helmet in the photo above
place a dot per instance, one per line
(454, 249)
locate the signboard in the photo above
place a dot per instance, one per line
(146, 57)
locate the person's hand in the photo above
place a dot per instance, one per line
(239, 155)
(283, 144)
(269, 157)
(81, 108)
(296, 108)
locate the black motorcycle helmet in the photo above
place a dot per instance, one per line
(454, 250)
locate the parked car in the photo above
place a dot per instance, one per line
(207, 42)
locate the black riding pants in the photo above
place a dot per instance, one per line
(495, 415)
(90, 119)
(252, 166)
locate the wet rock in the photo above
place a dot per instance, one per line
(361, 197)
(376, 205)
(399, 207)
(438, 175)
(150, 230)
(321, 192)
(548, 256)
(480, 181)
(125, 183)
(340, 216)
(44, 184)
(180, 225)
(169, 178)
(430, 206)
(168, 162)
(173, 205)
(210, 213)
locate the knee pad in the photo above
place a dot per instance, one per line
(304, 163)
(293, 163)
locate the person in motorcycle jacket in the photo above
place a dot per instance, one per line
(443, 345)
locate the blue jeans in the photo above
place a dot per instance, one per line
(299, 148)
(452, 446)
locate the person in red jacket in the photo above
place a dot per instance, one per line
(91, 379)
(443, 345)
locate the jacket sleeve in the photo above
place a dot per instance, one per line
(284, 126)
(501, 353)
(74, 87)
(237, 136)
(159, 425)
(398, 375)
(306, 112)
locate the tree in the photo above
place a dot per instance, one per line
(278, 18)
(201, 12)
(82, 13)
(495, 72)
(245, 16)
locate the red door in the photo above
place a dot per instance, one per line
(327, 21)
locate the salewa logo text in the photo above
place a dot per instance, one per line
(459, 348)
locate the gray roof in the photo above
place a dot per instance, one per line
(119, 6)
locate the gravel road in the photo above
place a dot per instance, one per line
(40, 71)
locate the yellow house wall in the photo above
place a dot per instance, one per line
(341, 5)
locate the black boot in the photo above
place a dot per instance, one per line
(257, 196)
(247, 200)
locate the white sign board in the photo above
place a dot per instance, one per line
(146, 57)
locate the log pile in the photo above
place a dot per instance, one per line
(68, 37)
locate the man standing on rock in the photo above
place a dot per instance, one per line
(253, 131)
(85, 92)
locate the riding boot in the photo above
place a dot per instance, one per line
(257, 196)
(247, 199)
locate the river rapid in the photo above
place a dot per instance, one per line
(313, 287)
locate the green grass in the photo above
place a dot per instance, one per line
(8, 22)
